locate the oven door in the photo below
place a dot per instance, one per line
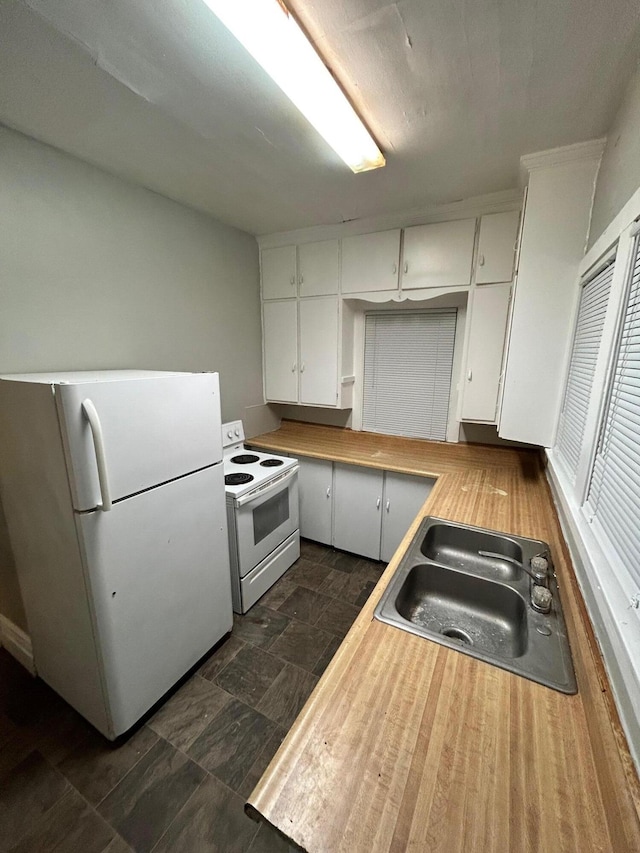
(265, 518)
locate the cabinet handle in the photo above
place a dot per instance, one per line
(378, 504)
(302, 367)
(395, 269)
(406, 268)
(329, 492)
(481, 260)
(293, 367)
(387, 505)
(301, 280)
(469, 376)
(292, 280)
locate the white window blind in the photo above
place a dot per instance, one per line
(408, 360)
(614, 489)
(584, 354)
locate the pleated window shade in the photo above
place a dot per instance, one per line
(584, 354)
(408, 360)
(613, 499)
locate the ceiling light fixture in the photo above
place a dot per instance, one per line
(273, 38)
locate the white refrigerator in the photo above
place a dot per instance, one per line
(113, 489)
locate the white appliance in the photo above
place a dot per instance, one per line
(113, 488)
(262, 514)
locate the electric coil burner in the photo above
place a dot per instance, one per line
(262, 516)
(237, 479)
(245, 458)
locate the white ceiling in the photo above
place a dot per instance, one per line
(455, 91)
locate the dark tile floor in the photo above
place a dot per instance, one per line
(179, 783)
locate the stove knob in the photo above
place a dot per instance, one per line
(229, 434)
(237, 432)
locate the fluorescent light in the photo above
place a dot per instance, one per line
(274, 39)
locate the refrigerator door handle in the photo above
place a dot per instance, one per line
(101, 459)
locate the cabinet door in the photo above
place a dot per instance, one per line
(357, 509)
(404, 495)
(278, 269)
(318, 268)
(497, 247)
(370, 262)
(315, 488)
(488, 324)
(438, 255)
(319, 351)
(280, 336)
(556, 220)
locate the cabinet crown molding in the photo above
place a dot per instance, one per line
(590, 150)
(469, 208)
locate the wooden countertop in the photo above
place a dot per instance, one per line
(407, 455)
(407, 745)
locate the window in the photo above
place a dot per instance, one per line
(613, 500)
(594, 297)
(407, 373)
(600, 505)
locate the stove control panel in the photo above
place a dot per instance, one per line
(232, 433)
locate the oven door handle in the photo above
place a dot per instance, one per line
(264, 493)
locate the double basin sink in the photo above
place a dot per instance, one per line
(471, 589)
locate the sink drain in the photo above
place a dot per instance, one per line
(457, 634)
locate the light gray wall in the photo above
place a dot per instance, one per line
(313, 414)
(486, 434)
(619, 175)
(98, 273)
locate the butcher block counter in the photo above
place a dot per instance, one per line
(406, 745)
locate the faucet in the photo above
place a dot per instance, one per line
(541, 596)
(540, 593)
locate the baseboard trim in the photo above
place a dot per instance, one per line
(18, 643)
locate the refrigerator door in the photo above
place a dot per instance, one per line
(157, 567)
(144, 431)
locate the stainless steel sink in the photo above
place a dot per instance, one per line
(467, 548)
(468, 588)
(469, 610)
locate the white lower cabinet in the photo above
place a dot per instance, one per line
(402, 499)
(357, 505)
(373, 509)
(315, 479)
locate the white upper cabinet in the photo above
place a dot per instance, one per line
(280, 337)
(556, 225)
(278, 269)
(488, 324)
(497, 247)
(438, 255)
(318, 268)
(301, 350)
(370, 262)
(319, 351)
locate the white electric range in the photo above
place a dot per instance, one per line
(262, 516)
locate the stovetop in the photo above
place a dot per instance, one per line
(244, 469)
